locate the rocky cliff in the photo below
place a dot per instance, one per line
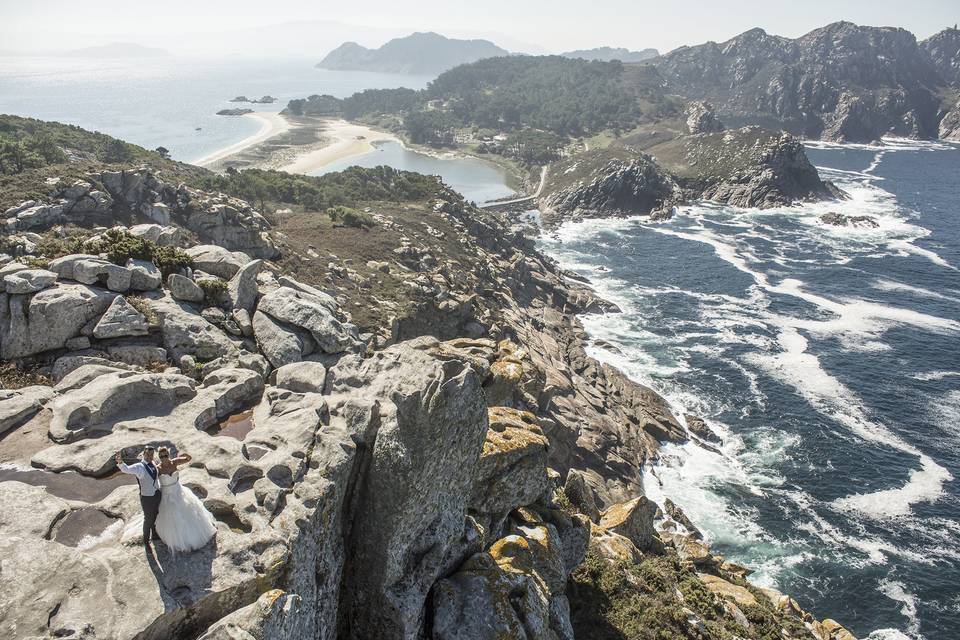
(841, 82)
(943, 48)
(647, 174)
(396, 427)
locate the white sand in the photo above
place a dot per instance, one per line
(271, 124)
(343, 140)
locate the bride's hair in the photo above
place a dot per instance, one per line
(163, 452)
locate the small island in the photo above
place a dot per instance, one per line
(234, 112)
(267, 99)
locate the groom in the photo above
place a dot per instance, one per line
(149, 481)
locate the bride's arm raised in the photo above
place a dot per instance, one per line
(182, 459)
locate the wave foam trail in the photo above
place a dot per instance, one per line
(857, 323)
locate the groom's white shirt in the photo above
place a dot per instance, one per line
(148, 484)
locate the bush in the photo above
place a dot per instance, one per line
(212, 287)
(120, 246)
(350, 217)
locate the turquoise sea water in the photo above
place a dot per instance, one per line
(475, 179)
(170, 102)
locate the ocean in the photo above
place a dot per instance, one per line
(171, 102)
(828, 359)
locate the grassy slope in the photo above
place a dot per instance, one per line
(86, 151)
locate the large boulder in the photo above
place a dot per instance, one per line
(48, 319)
(313, 314)
(242, 288)
(28, 281)
(183, 288)
(186, 332)
(421, 422)
(633, 520)
(97, 406)
(216, 260)
(121, 320)
(512, 470)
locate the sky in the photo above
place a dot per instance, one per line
(532, 26)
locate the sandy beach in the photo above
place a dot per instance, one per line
(271, 125)
(344, 140)
(296, 145)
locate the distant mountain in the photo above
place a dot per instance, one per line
(117, 50)
(418, 53)
(841, 82)
(606, 54)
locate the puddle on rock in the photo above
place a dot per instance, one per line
(69, 485)
(82, 526)
(236, 426)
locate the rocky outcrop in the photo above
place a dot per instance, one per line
(943, 49)
(701, 118)
(606, 183)
(104, 197)
(839, 82)
(748, 167)
(842, 220)
(950, 123)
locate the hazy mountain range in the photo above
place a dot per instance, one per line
(418, 53)
(612, 53)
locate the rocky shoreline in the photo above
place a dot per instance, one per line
(749, 167)
(460, 469)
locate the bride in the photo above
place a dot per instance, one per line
(183, 523)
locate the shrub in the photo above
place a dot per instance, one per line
(350, 217)
(171, 260)
(120, 246)
(142, 305)
(212, 287)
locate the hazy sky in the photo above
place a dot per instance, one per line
(553, 26)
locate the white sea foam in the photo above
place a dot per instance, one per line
(891, 285)
(897, 591)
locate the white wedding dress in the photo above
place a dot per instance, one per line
(183, 523)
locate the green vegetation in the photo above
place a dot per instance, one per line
(322, 192)
(348, 217)
(430, 127)
(532, 147)
(563, 96)
(26, 143)
(626, 601)
(120, 246)
(212, 287)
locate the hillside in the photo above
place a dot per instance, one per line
(841, 82)
(606, 54)
(419, 53)
(427, 452)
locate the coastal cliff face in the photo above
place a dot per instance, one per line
(748, 167)
(841, 82)
(943, 50)
(397, 429)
